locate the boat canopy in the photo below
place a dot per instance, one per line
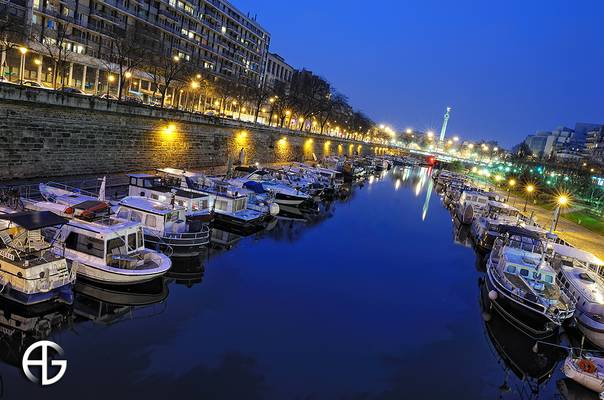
(256, 187)
(577, 254)
(33, 220)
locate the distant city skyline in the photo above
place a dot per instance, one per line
(508, 69)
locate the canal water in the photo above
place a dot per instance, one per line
(376, 296)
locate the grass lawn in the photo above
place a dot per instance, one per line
(589, 221)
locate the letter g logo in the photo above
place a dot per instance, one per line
(44, 345)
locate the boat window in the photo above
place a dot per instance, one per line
(239, 204)
(524, 272)
(221, 205)
(511, 269)
(140, 182)
(136, 216)
(151, 221)
(133, 181)
(122, 213)
(537, 276)
(116, 246)
(132, 241)
(172, 217)
(85, 244)
(204, 204)
(141, 240)
(154, 196)
(566, 285)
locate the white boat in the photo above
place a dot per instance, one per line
(165, 226)
(101, 248)
(497, 216)
(522, 284)
(229, 204)
(30, 272)
(585, 370)
(168, 190)
(472, 204)
(284, 194)
(578, 277)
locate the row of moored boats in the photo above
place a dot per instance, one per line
(534, 279)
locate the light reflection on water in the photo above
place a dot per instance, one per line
(370, 297)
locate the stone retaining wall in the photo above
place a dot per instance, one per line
(45, 133)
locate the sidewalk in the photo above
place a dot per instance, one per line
(573, 233)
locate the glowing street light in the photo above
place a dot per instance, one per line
(563, 200)
(511, 184)
(529, 191)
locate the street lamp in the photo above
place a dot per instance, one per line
(23, 51)
(562, 201)
(529, 191)
(110, 78)
(511, 184)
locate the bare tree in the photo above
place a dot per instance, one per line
(54, 45)
(123, 54)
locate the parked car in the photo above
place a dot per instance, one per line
(210, 113)
(73, 90)
(132, 100)
(108, 96)
(34, 84)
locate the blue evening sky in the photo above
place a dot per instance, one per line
(508, 68)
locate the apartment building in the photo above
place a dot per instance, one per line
(211, 33)
(277, 70)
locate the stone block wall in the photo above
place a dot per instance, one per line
(47, 134)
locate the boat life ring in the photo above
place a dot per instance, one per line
(587, 366)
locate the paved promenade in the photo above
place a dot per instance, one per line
(573, 233)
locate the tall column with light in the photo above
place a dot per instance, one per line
(443, 129)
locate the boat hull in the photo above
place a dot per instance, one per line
(594, 334)
(63, 294)
(176, 247)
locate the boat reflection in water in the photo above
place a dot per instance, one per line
(187, 271)
(20, 327)
(516, 351)
(224, 239)
(461, 234)
(108, 305)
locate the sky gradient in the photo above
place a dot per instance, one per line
(508, 69)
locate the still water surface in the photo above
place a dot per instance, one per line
(376, 297)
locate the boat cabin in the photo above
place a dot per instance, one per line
(474, 198)
(168, 190)
(563, 255)
(497, 209)
(104, 239)
(153, 214)
(21, 241)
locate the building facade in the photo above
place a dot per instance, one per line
(213, 34)
(278, 71)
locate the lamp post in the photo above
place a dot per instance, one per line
(529, 190)
(110, 78)
(38, 63)
(562, 201)
(23, 51)
(511, 184)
